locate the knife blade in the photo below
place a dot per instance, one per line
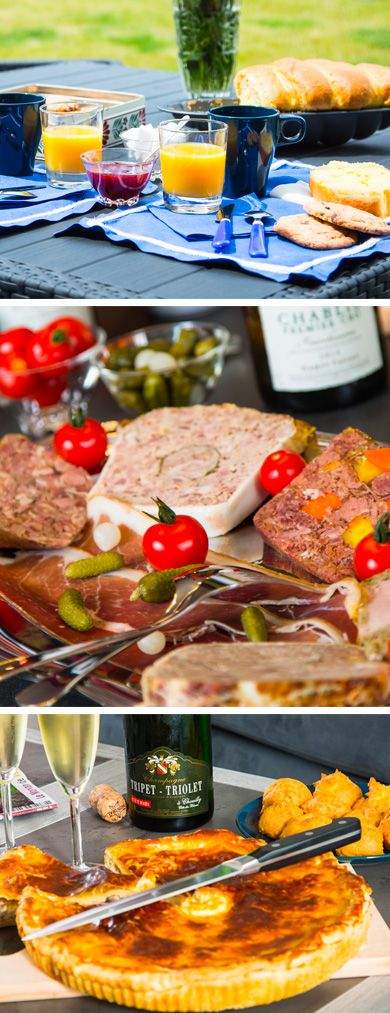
(223, 233)
(285, 851)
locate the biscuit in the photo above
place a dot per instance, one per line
(307, 231)
(347, 217)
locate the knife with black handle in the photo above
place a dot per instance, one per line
(286, 851)
(224, 231)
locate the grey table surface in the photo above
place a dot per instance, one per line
(232, 790)
(238, 383)
(32, 259)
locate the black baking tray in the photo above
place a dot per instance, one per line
(332, 127)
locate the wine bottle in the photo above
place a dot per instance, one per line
(169, 771)
(315, 358)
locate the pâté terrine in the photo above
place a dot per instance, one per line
(201, 460)
(244, 674)
(317, 520)
(43, 499)
(373, 619)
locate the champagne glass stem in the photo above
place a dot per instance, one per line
(77, 843)
(7, 813)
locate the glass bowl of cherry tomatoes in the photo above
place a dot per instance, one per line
(48, 371)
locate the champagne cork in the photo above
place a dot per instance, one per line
(108, 803)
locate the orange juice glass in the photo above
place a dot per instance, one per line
(67, 133)
(193, 165)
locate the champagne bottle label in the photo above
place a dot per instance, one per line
(327, 346)
(167, 784)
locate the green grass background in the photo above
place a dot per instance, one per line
(140, 32)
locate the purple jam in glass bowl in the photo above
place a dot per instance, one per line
(118, 175)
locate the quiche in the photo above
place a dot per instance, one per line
(255, 939)
(27, 865)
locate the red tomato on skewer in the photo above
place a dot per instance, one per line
(279, 469)
(82, 441)
(175, 540)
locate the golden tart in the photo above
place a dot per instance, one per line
(253, 940)
(27, 865)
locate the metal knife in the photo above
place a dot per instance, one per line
(224, 231)
(286, 851)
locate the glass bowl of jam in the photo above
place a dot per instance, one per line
(119, 174)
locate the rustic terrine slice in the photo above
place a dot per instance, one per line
(337, 499)
(373, 619)
(200, 460)
(264, 675)
(43, 499)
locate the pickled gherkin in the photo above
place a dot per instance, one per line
(204, 345)
(73, 612)
(160, 345)
(181, 387)
(154, 587)
(184, 344)
(155, 391)
(254, 624)
(132, 401)
(121, 358)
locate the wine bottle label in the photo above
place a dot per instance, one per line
(165, 784)
(327, 346)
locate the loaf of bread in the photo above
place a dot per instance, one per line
(364, 185)
(309, 85)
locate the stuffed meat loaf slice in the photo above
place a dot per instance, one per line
(43, 499)
(201, 460)
(334, 502)
(265, 675)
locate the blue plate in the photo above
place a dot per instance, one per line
(248, 817)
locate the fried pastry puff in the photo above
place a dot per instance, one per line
(370, 843)
(379, 796)
(274, 817)
(384, 826)
(307, 821)
(337, 792)
(286, 789)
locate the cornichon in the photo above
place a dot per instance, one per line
(155, 391)
(204, 345)
(132, 400)
(92, 566)
(159, 585)
(181, 387)
(184, 343)
(121, 358)
(73, 612)
(253, 623)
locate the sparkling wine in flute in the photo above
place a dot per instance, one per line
(70, 742)
(13, 728)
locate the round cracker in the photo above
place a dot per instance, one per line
(347, 217)
(307, 231)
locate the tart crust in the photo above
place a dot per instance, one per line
(254, 940)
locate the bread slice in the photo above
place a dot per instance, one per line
(253, 940)
(364, 185)
(244, 674)
(201, 460)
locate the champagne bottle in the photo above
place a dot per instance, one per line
(315, 358)
(169, 771)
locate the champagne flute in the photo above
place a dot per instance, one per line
(13, 729)
(70, 742)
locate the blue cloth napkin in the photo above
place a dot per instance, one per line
(50, 204)
(154, 229)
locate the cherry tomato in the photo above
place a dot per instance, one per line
(48, 392)
(45, 349)
(372, 554)
(15, 381)
(14, 342)
(82, 441)
(279, 469)
(175, 540)
(74, 330)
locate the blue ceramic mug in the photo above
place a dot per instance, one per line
(20, 132)
(253, 135)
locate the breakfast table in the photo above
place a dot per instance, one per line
(233, 789)
(35, 263)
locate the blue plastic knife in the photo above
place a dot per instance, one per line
(224, 231)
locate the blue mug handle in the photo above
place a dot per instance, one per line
(290, 118)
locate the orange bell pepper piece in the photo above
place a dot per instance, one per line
(380, 458)
(322, 505)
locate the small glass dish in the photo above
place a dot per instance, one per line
(164, 379)
(119, 173)
(52, 390)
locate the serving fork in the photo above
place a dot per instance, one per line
(188, 593)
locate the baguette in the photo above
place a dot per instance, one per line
(310, 85)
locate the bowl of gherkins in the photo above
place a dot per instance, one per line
(168, 365)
